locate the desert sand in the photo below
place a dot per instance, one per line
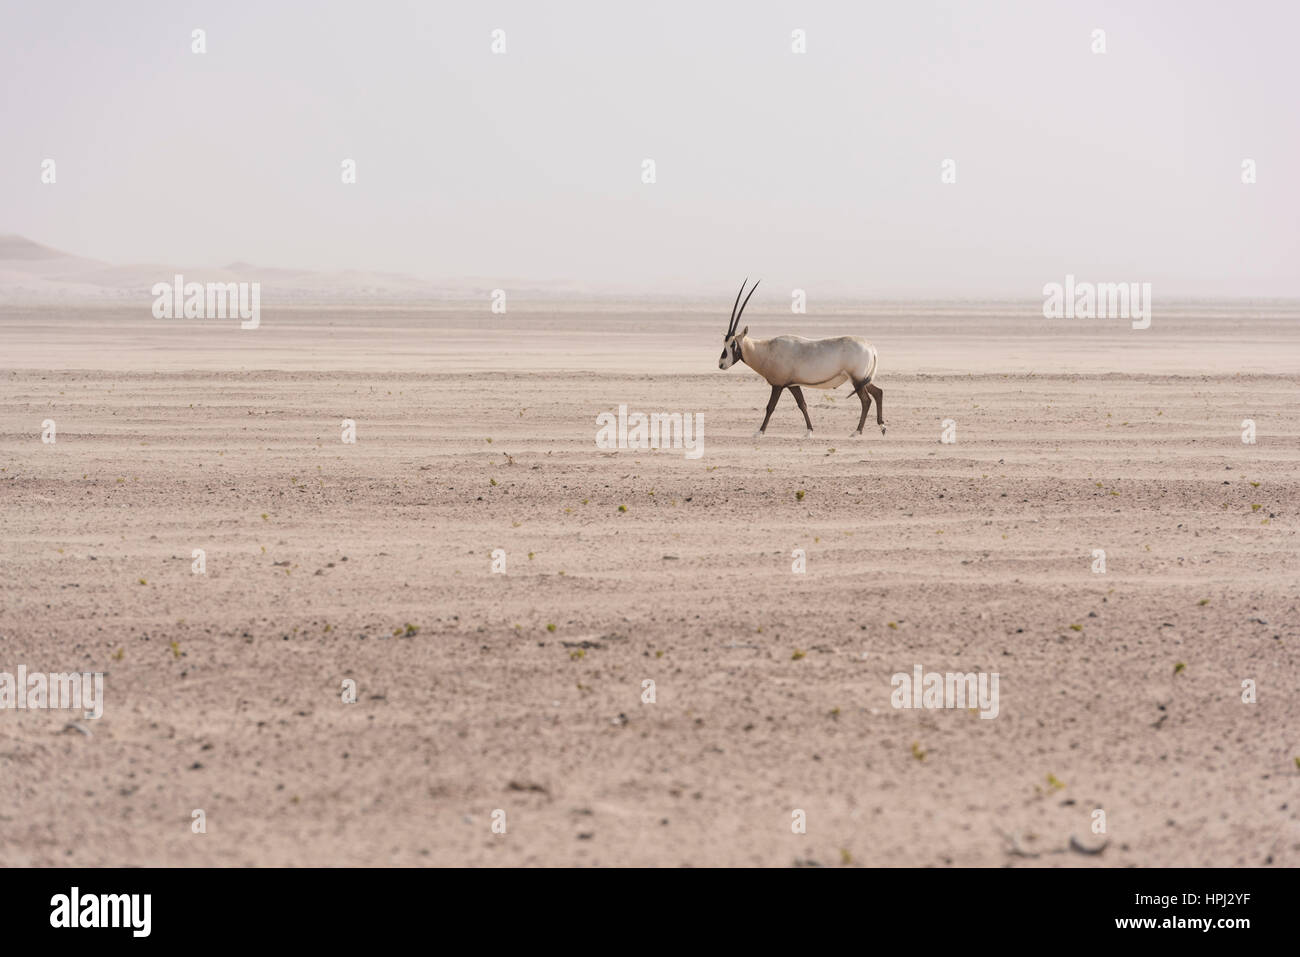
(521, 692)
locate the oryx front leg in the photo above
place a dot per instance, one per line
(771, 404)
(803, 407)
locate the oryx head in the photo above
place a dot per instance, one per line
(731, 340)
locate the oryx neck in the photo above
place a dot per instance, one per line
(751, 353)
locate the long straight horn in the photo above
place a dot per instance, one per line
(732, 327)
(736, 321)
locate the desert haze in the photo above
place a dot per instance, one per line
(524, 692)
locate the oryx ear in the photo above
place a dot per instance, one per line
(744, 332)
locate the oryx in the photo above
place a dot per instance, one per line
(788, 362)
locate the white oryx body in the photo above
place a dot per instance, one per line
(792, 362)
(815, 363)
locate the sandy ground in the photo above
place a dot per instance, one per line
(522, 692)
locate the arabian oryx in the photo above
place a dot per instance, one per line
(788, 362)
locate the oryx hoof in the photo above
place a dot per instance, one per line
(808, 434)
(758, 433)
(856, 435)
(882, 430)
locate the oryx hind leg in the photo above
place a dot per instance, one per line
(803, 407)
(862, 390)
(879, 395)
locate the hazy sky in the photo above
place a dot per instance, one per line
(820, 167)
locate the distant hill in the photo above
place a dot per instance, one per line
(34, 273)
(22, 248)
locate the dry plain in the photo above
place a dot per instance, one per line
(522, 692)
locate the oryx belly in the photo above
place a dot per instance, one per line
(826, 384)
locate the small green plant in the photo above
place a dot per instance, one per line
(799, 495)
(1179, 667)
